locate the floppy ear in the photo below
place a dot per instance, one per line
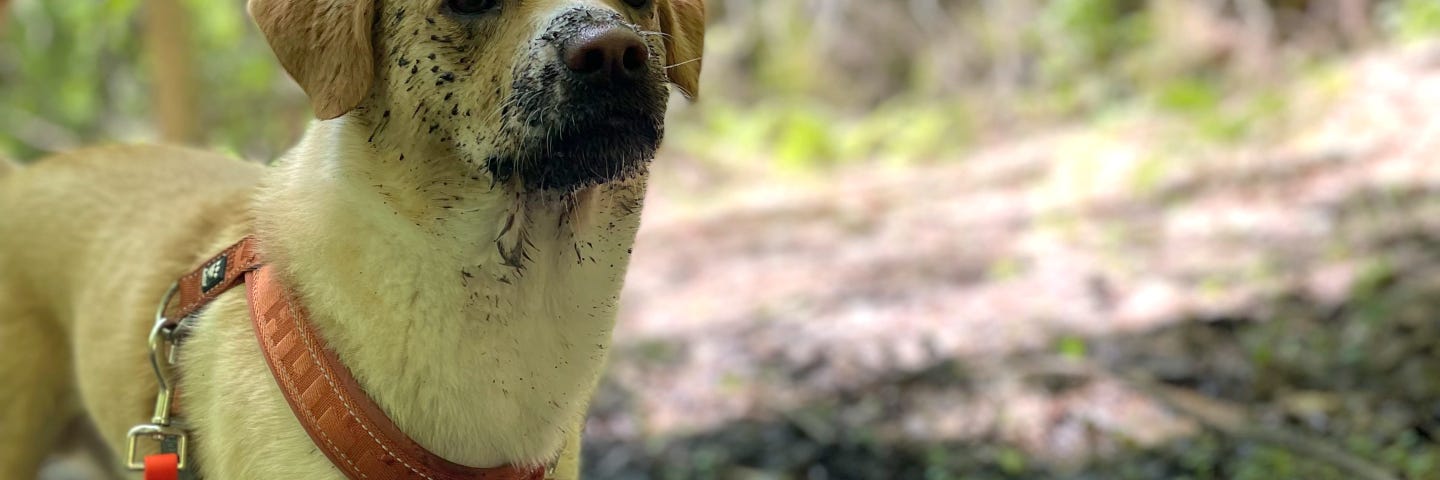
(325, 45)
(683, 22)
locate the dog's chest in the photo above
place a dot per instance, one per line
(480, 323)
(496, 349)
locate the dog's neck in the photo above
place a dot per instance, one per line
(478, 317)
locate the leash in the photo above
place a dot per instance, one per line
(340, 418)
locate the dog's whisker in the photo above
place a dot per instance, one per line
(693, 60)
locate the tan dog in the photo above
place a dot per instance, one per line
(458, 225)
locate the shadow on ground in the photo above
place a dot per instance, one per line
(1262, 396)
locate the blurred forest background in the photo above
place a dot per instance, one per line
(1088, 239)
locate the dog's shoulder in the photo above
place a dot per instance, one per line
(127, 174)
(177, 162)
(116, 201)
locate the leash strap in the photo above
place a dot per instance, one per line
(170, 447)
(165, 466)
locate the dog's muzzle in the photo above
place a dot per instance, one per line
(606, 55)
(589, 109)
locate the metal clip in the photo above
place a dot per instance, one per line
(160, 434)
(162, 360)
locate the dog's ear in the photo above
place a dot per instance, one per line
(683, 22)
(325, 45)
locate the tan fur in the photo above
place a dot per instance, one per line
(401, 247)
(324, 45)
(684, 22)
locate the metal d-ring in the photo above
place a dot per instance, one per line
(156, 433)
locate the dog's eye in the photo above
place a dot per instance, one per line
(637, 3)
(471, 7)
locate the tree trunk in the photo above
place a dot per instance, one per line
(1355, 21)
(168, 43)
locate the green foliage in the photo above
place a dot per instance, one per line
(1072, 347)
(1189, 95)
(801, 136)
(786, 61)
(1080, 36)
(1216, 114)
(1269, 463)
(246, 98)
(1411, 19)
(49, 67)
(1011, 461)
(75, 73)
(804, 84)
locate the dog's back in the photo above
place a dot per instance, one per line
(87, 240)
(89, 213)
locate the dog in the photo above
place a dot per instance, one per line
(457, 222)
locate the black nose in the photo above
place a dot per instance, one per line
(604, 54)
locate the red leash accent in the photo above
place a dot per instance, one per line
(165, 466)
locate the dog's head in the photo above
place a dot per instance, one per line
(552, 94)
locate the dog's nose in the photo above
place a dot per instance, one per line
(607, 54)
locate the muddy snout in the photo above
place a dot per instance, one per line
(589, 105)
(606, 55)
(602, 55)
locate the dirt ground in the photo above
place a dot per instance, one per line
(1102, 302)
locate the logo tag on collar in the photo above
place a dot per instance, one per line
(214, 274)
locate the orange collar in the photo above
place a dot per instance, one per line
(340, 417)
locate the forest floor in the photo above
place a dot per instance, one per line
(1110, 301)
